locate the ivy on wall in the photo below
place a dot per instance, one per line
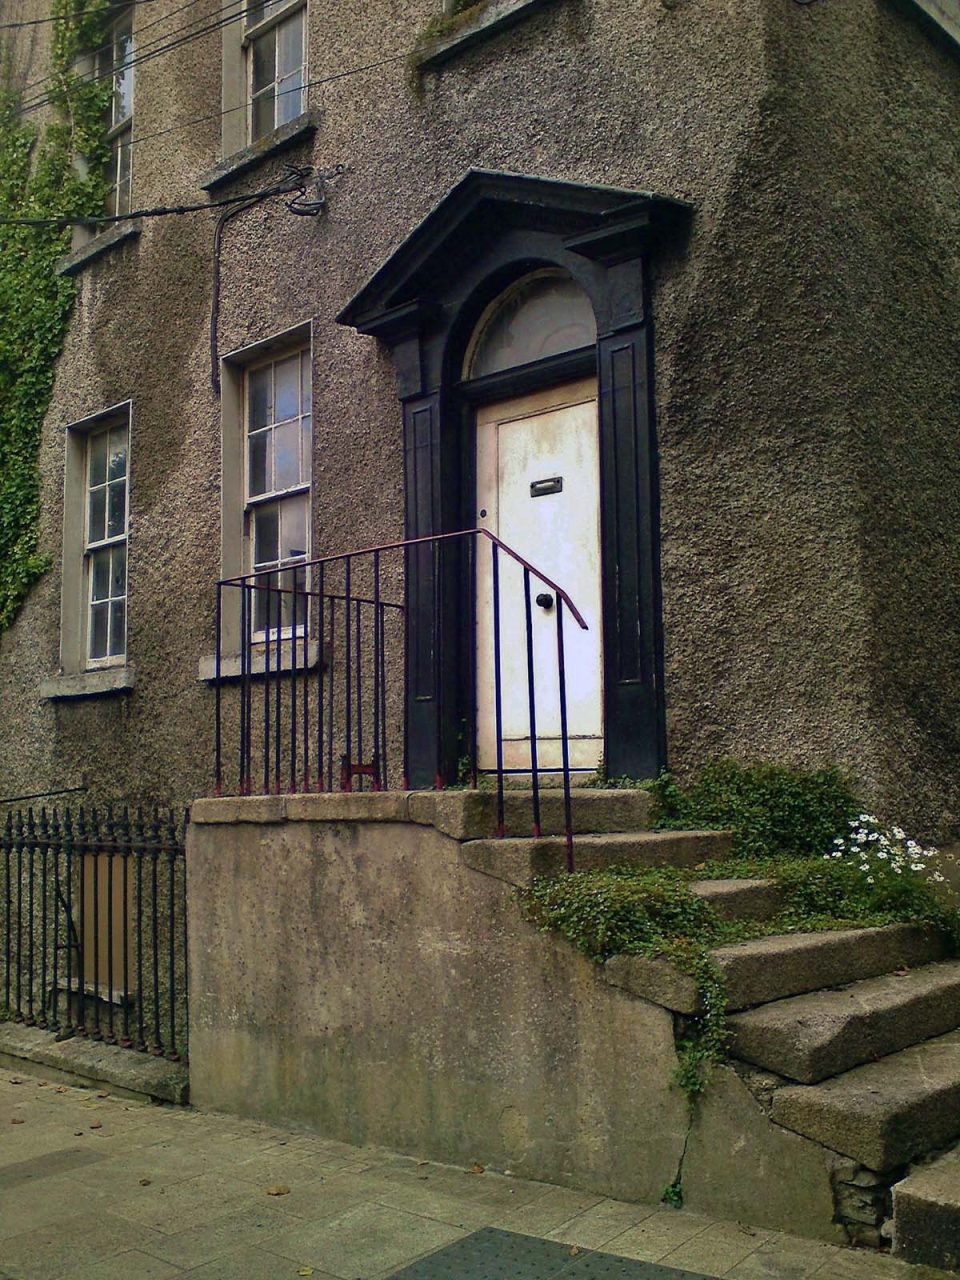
(49, 170)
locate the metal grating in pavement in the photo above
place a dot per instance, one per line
(491, 1254)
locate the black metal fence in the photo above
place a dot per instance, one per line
(318, 665)
(93, 925)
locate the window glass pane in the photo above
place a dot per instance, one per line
(294, 541)
(544, 315)
(99, 622)
(118, 621)
(289, 97)
(260, 396)
(122, 145)
(259, 477)
(263, 115)
(306, 382)
(266, 535)
(290, 44)
(96, 525)
(117, 458)
(287, 381)
(286, 446)
(123, 73)
(100, 575)
(264, 61)
(118, 572)
(98, 458)
(117, 509)
(266, 602)
(306, 466)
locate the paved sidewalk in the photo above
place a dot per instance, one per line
(97, 1188)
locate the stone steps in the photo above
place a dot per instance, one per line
(808, 1038)
(883, 1114)
(520, 861)
(768, 969)
(926, 1215)
(740, 899)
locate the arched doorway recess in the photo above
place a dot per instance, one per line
(465, 307)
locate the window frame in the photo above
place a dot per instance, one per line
(119, 132)
(109, 542)
(260, 30)
(272, 496)
(76, 573)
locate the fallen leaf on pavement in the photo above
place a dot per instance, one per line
(278, 1191)
(304, 1271)
(16, 1120)
(144, 1182)
(103, 1095)
(15, 1080)
(574, 1250)
(61, 1088)
(96, 1124)
(78, 1133)
(477, 1168)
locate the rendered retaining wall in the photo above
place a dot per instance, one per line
(356, 977)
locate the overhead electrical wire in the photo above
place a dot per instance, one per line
(295, 185)
(241, 106)
(92, 53)
(154, 50)
(38, 22)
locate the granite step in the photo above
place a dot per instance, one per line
(883, 1114)
(520, 861)
(771, 968)
(472, 815)
(811, 1037)
(926, 1215)
(741, 899)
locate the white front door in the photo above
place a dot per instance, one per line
(538, 490)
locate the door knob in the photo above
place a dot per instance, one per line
(544, 600)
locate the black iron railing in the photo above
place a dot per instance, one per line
(318, 664)
(93, 925)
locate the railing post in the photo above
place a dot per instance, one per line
(497, 687)
(532, 702)
(31, 855)
(7, 844)
(125, 840)
(218, 697)
(564, 740)
(44, 855)
(56, 842)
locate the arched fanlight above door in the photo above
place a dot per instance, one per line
(545, 313)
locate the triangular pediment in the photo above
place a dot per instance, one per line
(593, 220)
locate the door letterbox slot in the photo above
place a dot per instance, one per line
(540, 488)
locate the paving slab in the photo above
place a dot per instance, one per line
(350, 1213)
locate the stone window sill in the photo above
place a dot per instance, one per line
(98, 683)
(304, 126)
(473, 25)
(230, 663)
(71, 263)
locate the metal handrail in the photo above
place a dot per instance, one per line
(270, 647)
(249, 579)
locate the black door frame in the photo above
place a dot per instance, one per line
(424, 303)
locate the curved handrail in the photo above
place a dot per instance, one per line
(245, 579)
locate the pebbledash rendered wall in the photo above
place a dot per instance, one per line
(806, 383)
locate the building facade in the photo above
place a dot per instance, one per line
(704, 257)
